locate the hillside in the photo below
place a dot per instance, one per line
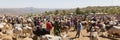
(27, 10)
(88, 10)
(48, 11)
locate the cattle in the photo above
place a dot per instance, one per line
(93, 33)
(1, 34)
(63, 36)
(29, 20)
(5, 27)
(41, 31)
(91, 24)
(17, 25)
(7, 37)
(27, 30)
(64, 29)
(115, 30)
(17, 32)
(10, 32)
(50, 37)
(20, 28)
(27, 38)
(1, 26)
(85, 24)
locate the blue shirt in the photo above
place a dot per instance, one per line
(79, 27)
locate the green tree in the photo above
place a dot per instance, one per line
(77, 11)
(65, 12)
(56, 12)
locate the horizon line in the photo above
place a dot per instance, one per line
(55, 7)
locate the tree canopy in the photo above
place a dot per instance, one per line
(88, 10)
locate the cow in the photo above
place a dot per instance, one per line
(41, 31)
(1, 34)
(27, 30)
(7, 27)
(115, 30)
(27, 38)
(93, 34)
(7, 37)
(17, 31)
(2, 26)
(50, 37)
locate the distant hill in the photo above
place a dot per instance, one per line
(88, 10)
(58, 11)
(26, 10)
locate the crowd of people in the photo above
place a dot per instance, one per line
(61, 24)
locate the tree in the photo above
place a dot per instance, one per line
(78, 11)
(56, 12)
(93, 11)
(65, 12)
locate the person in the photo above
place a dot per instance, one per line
(57, 28)
(39, 23)
(79, 28)
(48, 25)
(35, 21)
(75, 23)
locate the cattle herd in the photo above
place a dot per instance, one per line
(40, 27)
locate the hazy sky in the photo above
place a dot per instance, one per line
(56, 3)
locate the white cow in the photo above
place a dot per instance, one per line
(18, 25)
(112, 23)
(29, 19)
(27, 30)
(17, 30)
(50, 37)
(5, 27)
(2, 25)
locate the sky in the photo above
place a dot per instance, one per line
(56, 3)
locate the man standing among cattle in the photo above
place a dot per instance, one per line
(79, 28)
(57, 27)
(48, 26)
